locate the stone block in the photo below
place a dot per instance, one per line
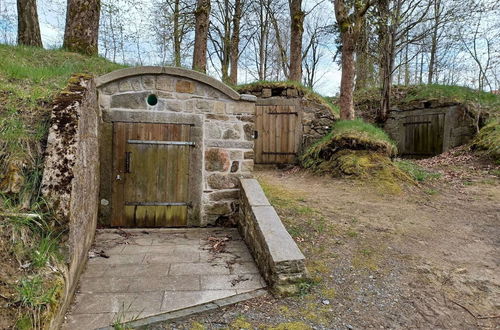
(231, 144)
(216, 160)
(224, 195)
(220, 181)
(149, 82)
(185, 86)
(219, 208)
(130, 101)
(249, 155)
(125, 86)
(248, 129)
(110, 88)
(247, 166)
(236, 154)
(219, 108)
(165, 83)
(205, 106)
(217, 117)
(254, 193)
(213, 131)
(231, 134)
(267, 92)
(292, 92)
(174, 105)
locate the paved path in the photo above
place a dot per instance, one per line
(152, 271)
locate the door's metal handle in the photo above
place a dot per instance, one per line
(127, 161)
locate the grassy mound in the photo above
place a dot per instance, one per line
(30, 78)
(356, 149)
(303, 90)
(478, 103)
(488, 139)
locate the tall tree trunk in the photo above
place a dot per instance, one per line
(346, 102)
(296, 31)
(28, 28)
(434, 41)
(82, 26)
(177, 34)
(201, 34)
(226, 43)
(235, 42)
(386, 67)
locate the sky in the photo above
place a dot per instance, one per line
(52, 18)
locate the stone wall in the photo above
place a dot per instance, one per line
(222, 127)
(317, 118)
(71, 176)
(277, 255)
(459, 124)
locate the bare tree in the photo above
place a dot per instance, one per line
(82, 26)
(296, 30)
(28, 28)
(350, 18)
(235, 42)
(202, 15)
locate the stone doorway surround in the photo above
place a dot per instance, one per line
(149, 272)
(222, 126)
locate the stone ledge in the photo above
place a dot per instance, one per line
(165, 70)
(278, 257)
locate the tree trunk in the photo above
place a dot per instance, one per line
(346, 102)
(177, 34)
(82, 26)
(434, 41)
(28, 28)
(386, 66)
(201, 34)
(235, 42)
(296, 31)
(226, 43)
(362, 59)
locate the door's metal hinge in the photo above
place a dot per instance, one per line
(173, 143)
(158, 204)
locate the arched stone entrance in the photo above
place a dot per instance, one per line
(174, 143)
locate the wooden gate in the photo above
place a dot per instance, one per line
(150, 165)
(423, 135)
(279, 131)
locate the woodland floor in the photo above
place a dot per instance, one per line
(428, 257)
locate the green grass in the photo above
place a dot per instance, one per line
(415, 171)
(476, 101)
(362, 128)
(308, 92)
(30, 78)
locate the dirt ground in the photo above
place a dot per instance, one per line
(428, 257)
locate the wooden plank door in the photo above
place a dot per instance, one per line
(423, 135)
(150, 164)
(279, 132)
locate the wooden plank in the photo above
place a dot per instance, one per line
(277, 134)
(119, 136)
(285, 131)
(292, 134)
(258, 141)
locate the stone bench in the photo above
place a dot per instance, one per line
(278, 257)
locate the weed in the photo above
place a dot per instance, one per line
(34, 296)
(415, 171)
(119, 323)
(352, 233)
(46, 249)
(431, 191)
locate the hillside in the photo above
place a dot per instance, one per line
(403, 97)
(29, 236)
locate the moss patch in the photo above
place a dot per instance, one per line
(488, 139)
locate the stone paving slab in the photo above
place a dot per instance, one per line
(153, 271)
